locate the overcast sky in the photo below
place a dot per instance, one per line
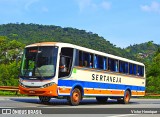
(122, 22)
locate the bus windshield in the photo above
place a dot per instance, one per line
(39, 62)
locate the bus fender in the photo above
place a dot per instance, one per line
(127, 88)
(78, 85)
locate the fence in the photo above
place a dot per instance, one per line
(9, 88)
(152, 94)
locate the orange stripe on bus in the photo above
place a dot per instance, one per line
(94, 91)
(99, 91)
(64, 90)
(136, 93)
(140, 93)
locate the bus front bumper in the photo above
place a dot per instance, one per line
(48, 91)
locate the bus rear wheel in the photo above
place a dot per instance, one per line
(44, 99)
(126, 98)
(75, 97)
(102, 99)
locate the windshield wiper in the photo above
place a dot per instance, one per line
(42, 78)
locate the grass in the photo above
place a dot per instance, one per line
(149, 97)
(10, 93)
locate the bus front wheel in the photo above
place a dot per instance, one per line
(44, 99)
(75, 97)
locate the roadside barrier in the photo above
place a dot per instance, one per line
(9, 88)
(152, 94)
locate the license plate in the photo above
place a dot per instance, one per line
(31, 91)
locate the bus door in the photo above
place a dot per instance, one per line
(65, 63)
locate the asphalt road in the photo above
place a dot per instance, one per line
(89, 107)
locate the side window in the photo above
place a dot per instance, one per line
(140, 71)
(84, 59)
(65, 63)
(126, 67)
(80, 58)
(91, 60)
(77, 58)
(134, 69)
(112, 64)
(105, 63)
(116, 65)
(95, 61)
(100, 62)
(130, 68)
(87, 59)
(123, 67)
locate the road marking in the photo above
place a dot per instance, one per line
(122, 115)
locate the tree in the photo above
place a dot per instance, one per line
(153, 75)
(9, 51)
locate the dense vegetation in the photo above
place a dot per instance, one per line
(13, 38)
(31, 33)
(9, 51)
(153, 74)
(143, 52)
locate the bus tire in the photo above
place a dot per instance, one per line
(126, 98)
(120, 101)
(75, 97)
(102, 99)
(44, 99)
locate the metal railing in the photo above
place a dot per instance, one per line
(152, 94)
(9, 88)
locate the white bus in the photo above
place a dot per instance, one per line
(54, 69)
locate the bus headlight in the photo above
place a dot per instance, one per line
(22, 84)
(47, 85)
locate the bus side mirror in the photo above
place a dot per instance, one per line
(63, 64)
(63, 60)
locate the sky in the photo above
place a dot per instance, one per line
(122, 22)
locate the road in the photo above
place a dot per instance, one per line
(87, 106)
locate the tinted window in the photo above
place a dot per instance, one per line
(65, 62)
(140, 71)
(123, 67)
(134, 69)
(39, 61)
(84, 59)
(130, 68)
(100, 62)
(112, 64)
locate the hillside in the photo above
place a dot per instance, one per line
(31, 33)
(143, 52)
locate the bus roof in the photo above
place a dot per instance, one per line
(60, 44)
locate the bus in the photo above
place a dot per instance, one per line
(54, 69)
